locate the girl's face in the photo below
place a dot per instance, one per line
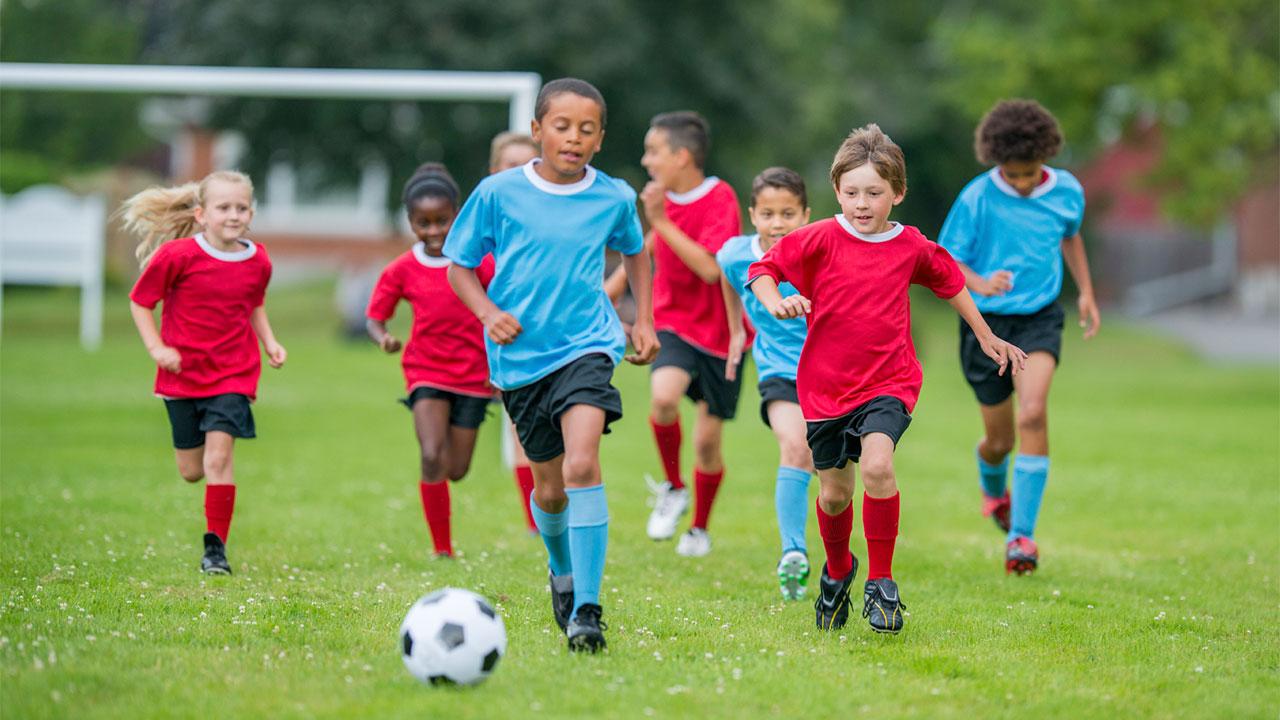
(226, 212)
(513, 155)
(430, 217)
(570, 134)
(866, 199)
(776, 212)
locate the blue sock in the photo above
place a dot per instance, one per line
(588, 539)
(1030, 472)
(994, 478)
(791, 497)
(554, 530)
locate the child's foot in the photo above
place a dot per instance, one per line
(668, 505)
(561, 598)
(1021, 556)
(585, 630)
(832, 603)
(881, 605)
(214, 561)
(694, 543)
(793, 574)
(997, 509)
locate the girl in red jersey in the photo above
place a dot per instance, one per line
(445, 369)
(212, 285)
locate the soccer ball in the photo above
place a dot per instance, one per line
(452, 636)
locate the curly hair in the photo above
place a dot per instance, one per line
(1018, 131)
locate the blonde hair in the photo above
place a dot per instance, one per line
(504, 140)
(868, 144)
(159, 214)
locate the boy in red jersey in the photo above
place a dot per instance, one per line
(858, 377)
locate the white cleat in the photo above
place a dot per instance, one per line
(694, 543)
(793, 574)
(668, 506)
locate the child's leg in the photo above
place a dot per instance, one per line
(1031, 466)
(667, 385)
(431, 423)
(795, 469)
(708, 468)
(880, 507)
(524, 475)
(220, 487)
(459, 450)
(835, 518)
(582, 426)
(190, 463)
(548, 504)
(994, 447)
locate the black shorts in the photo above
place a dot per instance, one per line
(536, 408)
(776, 388)
(465, 411)
(1040, 331)
(191, 418)
(835, 442)
(706, 375)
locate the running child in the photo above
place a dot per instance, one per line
(779, 205)
(858, 378)
(552, 335)
(212, 284)
(445, 373)
(1009, 230)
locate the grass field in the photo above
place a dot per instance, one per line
(1158, 594)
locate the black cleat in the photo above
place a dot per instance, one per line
(214, 561)
(881, 605)
(832, 603)
(586, 631)
(561, 598)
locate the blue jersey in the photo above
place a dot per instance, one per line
(778, 342)
(548, 243)
(991, 227)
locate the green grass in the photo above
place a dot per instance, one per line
(1157, 597)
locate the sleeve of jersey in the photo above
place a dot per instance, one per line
(958, 230)
(725, 222)
(472, 236)
(626, 236)
(1077, 217)
(157, 277)
(260, 291)
(382, 304)
(938, 271)
(781, 263)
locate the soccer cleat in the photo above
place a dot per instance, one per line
(561, 598)
(997, 509)
(214, 561)
(832, 603)
(1021, 556)
(881, 605)
(793, 574)
(586, 630)
(668, 505)
(694, 543)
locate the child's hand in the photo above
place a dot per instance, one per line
(168, 359)
(1090, 320)
(389, 344)
(645, 342)
(737, 341)
(276, 355)
(502, 327)
(792, 306)
(653, 197)
(1004, 354)
(998, 283)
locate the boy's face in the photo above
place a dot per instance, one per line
(1023, 175)
(663, 163)
(513, 155)
(776, 212)
(570, 134)
(226, 212)
(866, 199)
(430, 218)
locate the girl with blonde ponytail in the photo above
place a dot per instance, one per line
(212, 281)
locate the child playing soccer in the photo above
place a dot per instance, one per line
(858, 377)
(779, 205)
(445, 373)
(212, 285)
(552, 335)
(1009, 230)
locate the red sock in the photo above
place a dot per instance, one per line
(835, 531)
(435, 505)
(880, 525)
(668, 437)
(219, 503)
(524, 481)
(705, 486)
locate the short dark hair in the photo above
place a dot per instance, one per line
(781, 178)
(1017, 130)
(581, 88)
(869, 144)
(431, 179)
(686, 129)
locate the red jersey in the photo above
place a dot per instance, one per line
(859, 343)
(682, 302)
(446, 346)
(208, 296)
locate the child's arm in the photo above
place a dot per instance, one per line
(164, 356)
(737, 334)
(792, 306)
(699, 259)
(999, 283)
(276, 353)
(1078, 264)
(998, 350)
(501, 327)
(377, 330)
(643, 338)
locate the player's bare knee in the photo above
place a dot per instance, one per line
(877, 473)
(707, 452)
(459, 470)
(665, 410)
(795, 453)
(191, 473)
(833, 499)
(433, 463)
(1032, 417)
(216, 463)
(581, 469)
(1000, 446)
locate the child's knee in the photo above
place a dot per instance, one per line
(216, 462)
(833, 498)
(1000, 446)
(191, 473)
(794, 452)
(877, 472)
(433, 463)
(459, 469)
(1032, 417)
(665, 410)
(581, 469)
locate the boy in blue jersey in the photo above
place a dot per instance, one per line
(779, 205)
(552, 335)
(1010, 230)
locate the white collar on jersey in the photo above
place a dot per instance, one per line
(885, 236)
(420, 253)
(556, 188)
(694, 195)
(250, 249)
(1050, 181)
(755, 246)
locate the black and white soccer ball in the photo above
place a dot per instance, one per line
(452, 636)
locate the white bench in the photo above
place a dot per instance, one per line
(48, 236)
